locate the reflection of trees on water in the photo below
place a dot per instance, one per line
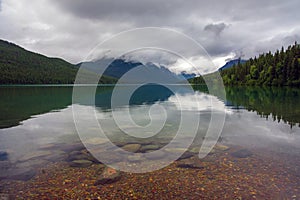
(278, 104)
(275, 103)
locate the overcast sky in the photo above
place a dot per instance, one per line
(226, 29)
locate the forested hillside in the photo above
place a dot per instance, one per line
(19, 66)
(277, 69)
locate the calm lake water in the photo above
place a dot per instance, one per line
(37, 126)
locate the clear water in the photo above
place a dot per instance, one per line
(33, 119)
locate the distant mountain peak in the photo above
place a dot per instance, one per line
(232, 63)
(117, 67)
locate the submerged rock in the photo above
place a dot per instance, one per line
(79, 155)
(186, 155)
(81, 163)
(193, 163)
(142, 142)
(34, 155)
(109, 175)
(196, 150)
(3, 155)
(72, 147)
(56, 156)
(243, 153)
(132, 147)
(221, 147)
(119, 143)
(50, 146)
(176, 150)
(96, 141)
(149, 147)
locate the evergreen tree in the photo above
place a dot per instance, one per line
(278, 69)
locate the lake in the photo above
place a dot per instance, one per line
(256, 156)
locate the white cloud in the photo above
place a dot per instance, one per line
(197, 64)
(221, 61)
(198, 102)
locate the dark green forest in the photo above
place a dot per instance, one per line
(19, 66)
(272, 69)
(281, 68)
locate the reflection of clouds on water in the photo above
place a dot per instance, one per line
(198, 102)
(248, 129)
(33, 127)
(41, 130)
(173, 106)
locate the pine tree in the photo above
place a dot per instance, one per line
(279, 69)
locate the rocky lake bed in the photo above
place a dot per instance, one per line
(70, 171)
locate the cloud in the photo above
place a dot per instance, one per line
(215, 28)
(71, 28)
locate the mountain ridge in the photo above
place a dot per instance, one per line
(20, 66)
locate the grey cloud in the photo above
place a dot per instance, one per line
(197, 19)
(238, 54)
(276, 42)
(291, 39)
(132, 11)
(215, 28)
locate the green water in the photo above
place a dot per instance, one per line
(18, 103)
(277, 104)
(21, 102)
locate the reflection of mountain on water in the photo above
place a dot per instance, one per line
(146, 94)
(130, 72)
(19, 103)
(150, 94)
